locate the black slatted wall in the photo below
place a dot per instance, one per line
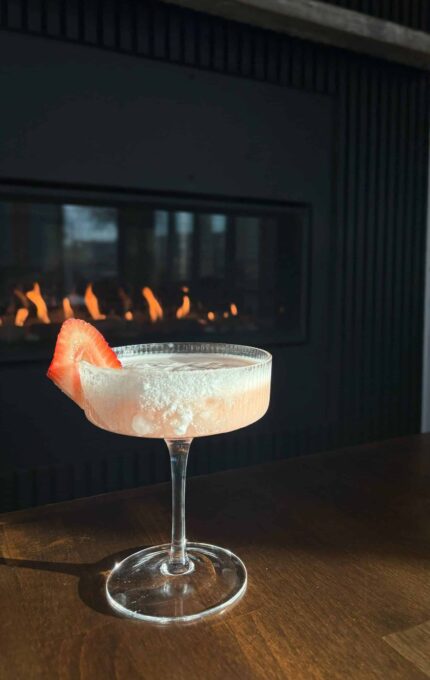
(412, 13)
(378, 240)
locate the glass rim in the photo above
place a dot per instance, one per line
(136, 350)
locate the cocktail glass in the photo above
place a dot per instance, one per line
(177, 391)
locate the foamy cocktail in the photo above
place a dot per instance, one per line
(175, 392)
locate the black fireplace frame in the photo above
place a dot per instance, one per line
(102, 196)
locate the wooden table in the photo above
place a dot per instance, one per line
(338, 554)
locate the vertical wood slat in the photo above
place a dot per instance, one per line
(4, 13)
(389, 271)
(349, 300)
(50, 22)
(421, 137)
(408, 217)
(384, 114)
(89, 23)
(159, 32)
(106, 24)
(337, 328)
(400, 282)
(372, 169)
(387, 246)
(15, 15)
(360, 330)
(204, 43)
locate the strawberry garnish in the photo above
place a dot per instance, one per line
(78, 340)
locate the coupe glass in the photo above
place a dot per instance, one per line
(208, 388)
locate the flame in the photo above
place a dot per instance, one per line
(67, 309)
(21, 316)
(184, 309)
(128, 316)
(185, 289)
(233, 309)
(93, 304)
(155, 309)
(211, 316)
(36, 298)
(20, 295)
(226, 315)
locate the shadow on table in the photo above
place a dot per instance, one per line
(92, 576)
(92, 579)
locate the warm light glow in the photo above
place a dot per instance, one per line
(67, 309)
(155, 309)
(233, 309)
(225, 315)
(128, 316)
(21, 316)
(184, 309)
(35, 296)
(211, 316)
(185, 289)
(92, 304)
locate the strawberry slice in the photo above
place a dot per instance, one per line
(78, 340)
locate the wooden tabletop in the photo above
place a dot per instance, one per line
(337, 547)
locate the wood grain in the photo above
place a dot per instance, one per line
(413, 644)
(337, 547)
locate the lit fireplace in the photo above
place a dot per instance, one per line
(144, 273)
(35, 311)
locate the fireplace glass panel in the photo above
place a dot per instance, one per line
(152, 271)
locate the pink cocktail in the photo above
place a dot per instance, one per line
(172, 395)
(175, 392)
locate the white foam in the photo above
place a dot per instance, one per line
(176, 395)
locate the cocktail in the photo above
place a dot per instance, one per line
(175, 392)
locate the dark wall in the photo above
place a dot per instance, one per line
(375, 320)
(412, 13)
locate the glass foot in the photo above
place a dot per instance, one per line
(142, 587)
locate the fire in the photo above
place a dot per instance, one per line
(185, 289)
(211, 316)
(92, 304)
(233, 309)
(67, 309)
(21, 316)
(35, 296)
(226, 315)
(155, 309)
(184, 309)
(128, 316)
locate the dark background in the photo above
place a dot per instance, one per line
(412, 13)
(360, 163)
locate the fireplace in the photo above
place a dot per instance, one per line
(152, 270)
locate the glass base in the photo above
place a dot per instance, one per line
(142, 588)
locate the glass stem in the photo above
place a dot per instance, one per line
(178, 562)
